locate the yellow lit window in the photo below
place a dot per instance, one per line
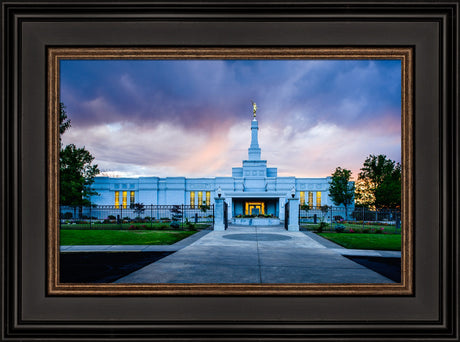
(200, 198)
(302, 197)
(208, 197)
(117, 199)
(310, 199)
(192, 199)
(318, 199)
(132, 198)
(125, 199)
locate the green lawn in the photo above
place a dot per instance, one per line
(121, 237)
(390, 242)
(355, 228)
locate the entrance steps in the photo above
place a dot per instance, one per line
(249, 221)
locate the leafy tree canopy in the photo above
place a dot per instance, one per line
(341, 189)
(384, 177)
(77, 174)
(64, 121)
(139, 208)
(76, 170)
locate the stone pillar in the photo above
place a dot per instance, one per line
(219, 223)
(293, 224)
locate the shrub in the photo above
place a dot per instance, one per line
(111, 217)
(189, 225)
(366, 230)
(340, 228)
(338, 218)
(67, 216)
(174, 225)
(321, 226)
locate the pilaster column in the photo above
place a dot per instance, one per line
(230, 208)
(281, 208)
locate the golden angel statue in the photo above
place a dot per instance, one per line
(254, 108)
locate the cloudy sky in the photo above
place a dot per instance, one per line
(192, 118)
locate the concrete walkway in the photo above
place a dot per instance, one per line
(255, 255)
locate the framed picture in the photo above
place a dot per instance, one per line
(210, 266)
(37, 41)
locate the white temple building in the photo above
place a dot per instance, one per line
(252, 188)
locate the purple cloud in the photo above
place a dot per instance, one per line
(192, 118)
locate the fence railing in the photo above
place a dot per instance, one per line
(136, 217)
(356, 219)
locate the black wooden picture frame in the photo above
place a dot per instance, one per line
(30, 28)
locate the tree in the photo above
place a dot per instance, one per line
(138, 208)
(341, 189)
(76, 170)
(364, 194)
(384, 179)
(388, 193)
(204, 207)
(176, 216)
(77, 174)
(64, 121)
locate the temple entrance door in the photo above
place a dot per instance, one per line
(255, 208)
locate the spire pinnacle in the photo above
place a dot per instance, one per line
(254, 149)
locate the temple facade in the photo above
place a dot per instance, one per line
(253, 188)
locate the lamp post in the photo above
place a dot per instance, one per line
(293, 192)
(219, 192)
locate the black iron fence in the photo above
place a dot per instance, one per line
(286, 215)
(225, 215)
(136, 217)
(357, 219)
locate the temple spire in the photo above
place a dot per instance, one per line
(254, 149)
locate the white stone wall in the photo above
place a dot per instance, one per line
(176, 190)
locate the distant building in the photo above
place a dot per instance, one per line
(253, 188)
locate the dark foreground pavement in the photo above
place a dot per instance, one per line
(255, 255)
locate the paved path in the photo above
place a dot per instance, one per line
(255, 255)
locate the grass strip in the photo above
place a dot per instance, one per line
(121, 237)
(391, 242)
